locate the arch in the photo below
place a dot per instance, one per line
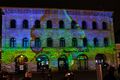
(100, 58)
(12, 23)
(85, 42)
(96, 44)
(82, 60)
(25, 59)
(74, 42)
(25, 23)
(49, 24)
(20, 63)
(62, 63)
(49, 42)
(62, 42)
(37, 24)
(106, 42)
(37, 43)
(61, 24)
(25, 42)
(42, 63)
(12, 42)
(84, 25)
(73, 24)
(94, 25)
(104, 25)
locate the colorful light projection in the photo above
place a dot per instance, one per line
(53, 54)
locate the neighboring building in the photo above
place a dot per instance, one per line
(118, 54)
(59, 39)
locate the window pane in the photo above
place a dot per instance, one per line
(13, 23)
(25, 24)
(37, 24)
(49, 24)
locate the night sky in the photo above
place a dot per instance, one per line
(106, 5)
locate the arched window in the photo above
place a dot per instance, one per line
(37, 24)
(62, 42)
(106, 43)
(61, 24)
(95, 40)
(104, 25)
(94, 25)
(49, 24)
(25, 43)
(13, 23)
(49, 42)
(85, 42)
(37, 43)
(12, 42)
(84, 25)
(74, 42)
(25, 24)
(73, 25)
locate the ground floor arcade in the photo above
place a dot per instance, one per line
(55, 60)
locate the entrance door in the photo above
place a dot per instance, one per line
(20, 63)
(82, 62)
(42, 63)
(62, 63)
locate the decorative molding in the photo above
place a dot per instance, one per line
(56, 11)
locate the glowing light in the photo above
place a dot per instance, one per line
(21, 56)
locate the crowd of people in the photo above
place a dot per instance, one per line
(109, 75)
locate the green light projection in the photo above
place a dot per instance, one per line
(9, 54)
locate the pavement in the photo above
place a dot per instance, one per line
(81, 75)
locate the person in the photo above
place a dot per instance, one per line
(110, 74)
(28, 76)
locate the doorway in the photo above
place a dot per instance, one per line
(20, 63)
(63, 63)
(42, 63)
(82, 61)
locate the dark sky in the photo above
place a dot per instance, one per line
(109, 5)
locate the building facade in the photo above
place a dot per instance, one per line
(57, 39)
(117, 49)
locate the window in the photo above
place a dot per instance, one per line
(85, 43)
(61, 24)
(62, 42)
(73, 25)
(25, 43)
(104, 25)
(49, 24)
(12, 42)
(74, 42)
(37, 43)
(84, 25)
(25, 24)
(94, 25)
(13, 23)
(37, 24)
(95, 40)
(49, 42)
(106, 42)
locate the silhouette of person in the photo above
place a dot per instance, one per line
(110, 74)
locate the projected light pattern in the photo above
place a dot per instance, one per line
(55, 33)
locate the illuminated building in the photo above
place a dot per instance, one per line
(59, 39)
